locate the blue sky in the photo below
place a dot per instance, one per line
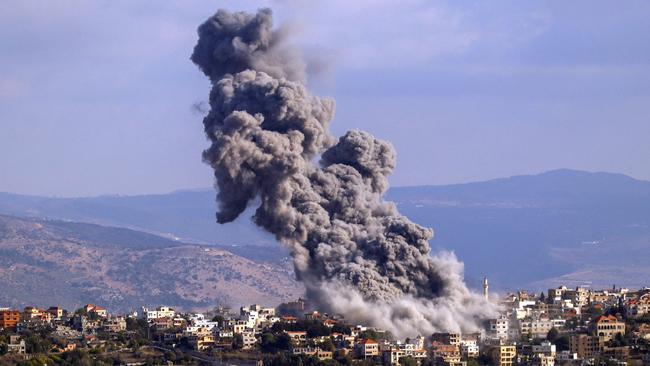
(95, 97)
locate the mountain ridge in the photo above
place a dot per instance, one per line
(537, 222)
(54, 262)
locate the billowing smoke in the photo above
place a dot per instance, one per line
(353, 251)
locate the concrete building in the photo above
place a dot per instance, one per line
(16, 345)
(607, 327)
(367, 348)
(248, 339)
(638, 306)
(499, 328)
(545, 348)
(504, 355)
(96, 309)
(159, 312)
(584, 345)
(313, 351)
(447, 338)
(9, 319)
(56, 312)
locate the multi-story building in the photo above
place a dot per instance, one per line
(115, 324)
(248, 339)
(16, 345)
(579, 296)
(445, 353)
(469, 350)
(499, 327)
(160, 312)
(34, 313)
(504, 355)
(446, 338)
(9, 319)
(544, 360)
(607, 327)
(96, 309)
(638, 306)
(584, 345)
(297, 337)
(556, 294)
(545, 348)
(201, 340)
(367, 348)
(56, 312)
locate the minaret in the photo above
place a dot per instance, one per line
(485, 288)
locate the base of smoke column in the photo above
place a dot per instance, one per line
(406, 316)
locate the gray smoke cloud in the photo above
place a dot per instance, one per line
(353, 251)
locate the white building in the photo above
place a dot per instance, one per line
(499, 328)
(160, 312)
(249, 339)
(545, 348)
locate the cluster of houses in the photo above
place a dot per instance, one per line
(562, 326)
(611, 325)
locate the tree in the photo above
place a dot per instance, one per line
(408, 361)
(340, 327)
(619, 340)
(484, 359)
(238, 341)
(219, 319)
(552, 335)
(562, 343)
(328, 345)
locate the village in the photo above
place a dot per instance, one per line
(562, 326)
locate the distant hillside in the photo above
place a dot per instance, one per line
(589, 228)
(186, 215)
(518, 231)
(50, 262)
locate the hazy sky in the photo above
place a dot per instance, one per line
(95, 96)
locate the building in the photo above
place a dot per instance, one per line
(160, 312)
(34, 313)
(543, 360)
(566, 356)
(584, 345)
(201, 339)
(16, 345)
(296, 336)
(499, 328)
(9, 319)
(504, 355)
(445, 353)
(469, 350)
(579, 297)
(556, 294)
(546, 348)
(248, 339)
(96, 309)
(607, 327)
(486, 295)
(313, 351)
(619, 353)
(367, 348)
(115, 325)
(446, 338)
(537, 327)
(638, 307)
(56, 312)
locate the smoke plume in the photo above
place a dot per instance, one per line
(353, 251)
